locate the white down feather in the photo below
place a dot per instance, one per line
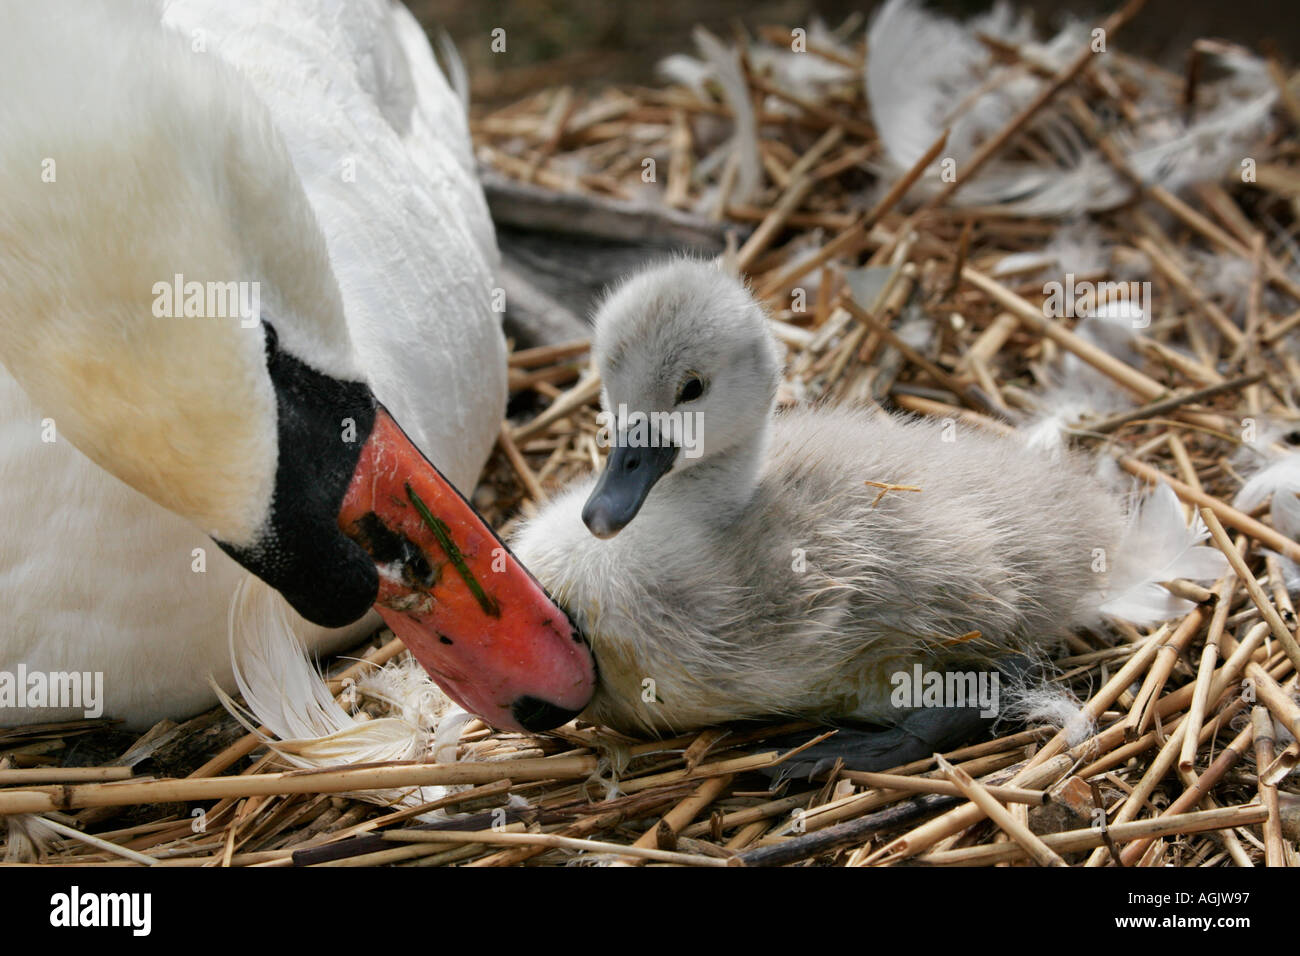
(1158, 545)
(925, 74)
(309, 729)
(1280, 480)
(1273, 473)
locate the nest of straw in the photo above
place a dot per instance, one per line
(1189, 755)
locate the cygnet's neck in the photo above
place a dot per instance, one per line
(718, 487)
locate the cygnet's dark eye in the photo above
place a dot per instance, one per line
(691, 389)
(1292, 437)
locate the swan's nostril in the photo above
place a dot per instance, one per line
(632, 464)
(537, 715)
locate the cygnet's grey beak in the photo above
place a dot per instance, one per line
(629, 475)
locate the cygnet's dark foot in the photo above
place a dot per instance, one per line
(918, 734)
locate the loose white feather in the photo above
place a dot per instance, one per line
(308, 728)
(1224, 277)
(725, 64)
(1273, 473)
(1158, 545)
(1075, 390)
(1041, 702)
(921, 69)
(805, 75)
(1280, 480)
(690, 72)
(926, 74)
(1075, 247)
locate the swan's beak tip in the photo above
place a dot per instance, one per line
(477, 621)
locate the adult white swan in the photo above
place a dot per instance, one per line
(309, 161)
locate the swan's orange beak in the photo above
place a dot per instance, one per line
(480, 624)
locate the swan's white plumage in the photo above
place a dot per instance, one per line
(94, 576)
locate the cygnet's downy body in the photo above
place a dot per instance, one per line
(748, 565)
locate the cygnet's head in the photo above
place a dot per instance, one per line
(690, 371)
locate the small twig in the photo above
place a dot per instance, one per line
(1165, 405)
(520, 465)
(1038, 851)
(1274, 849)
(74, 834)
(551, 841)
(1072, 841)
(886, 488)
